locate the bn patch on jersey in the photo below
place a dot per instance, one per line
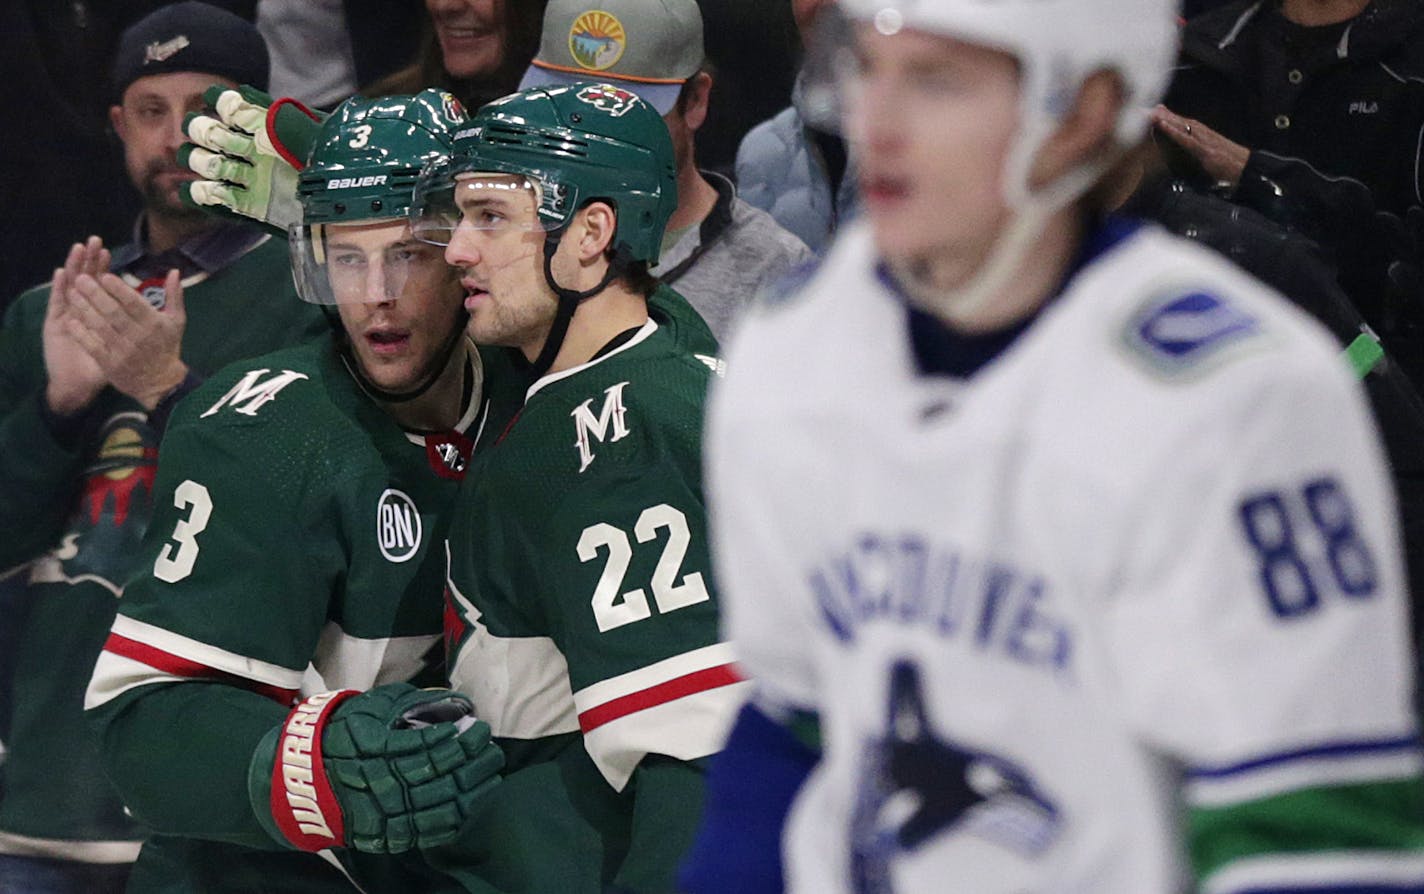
(1178, 331)
(397, 526)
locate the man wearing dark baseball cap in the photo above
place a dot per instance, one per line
(718, 251)
(89, 365)
(190, 36)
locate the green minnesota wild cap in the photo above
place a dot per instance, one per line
(651, 47)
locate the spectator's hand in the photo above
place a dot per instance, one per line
(134, 343)
(74, 378)
(248, 152)
(1222, 159)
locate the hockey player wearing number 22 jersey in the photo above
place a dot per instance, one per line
(1099, 591)
(582, 611)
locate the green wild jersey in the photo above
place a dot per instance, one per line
(72, 515)
(584, 624)
(671, 311)
(296, 547)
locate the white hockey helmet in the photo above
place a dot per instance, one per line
(1058, 44)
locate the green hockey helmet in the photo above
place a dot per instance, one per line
(572, 144)
(363, 170)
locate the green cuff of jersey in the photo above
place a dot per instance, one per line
(1374, 817)
(1364, 354)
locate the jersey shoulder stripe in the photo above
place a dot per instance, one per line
(137, 653)
(688, 684)
(1334, 763)
(681, 707)
(1336, 873)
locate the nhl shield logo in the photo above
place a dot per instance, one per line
(397, 526)
(608, 98)
(597, 40)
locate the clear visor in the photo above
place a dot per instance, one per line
(446, 201)
(362, 262)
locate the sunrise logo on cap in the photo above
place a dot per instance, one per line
(597, 40)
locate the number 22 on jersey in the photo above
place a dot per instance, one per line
(610, 609)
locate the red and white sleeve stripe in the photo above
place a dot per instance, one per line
(137, 654)
(682, 707)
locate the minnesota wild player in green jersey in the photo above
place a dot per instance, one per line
(295, 561)
(582, 617)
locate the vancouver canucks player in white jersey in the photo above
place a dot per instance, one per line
(1060, 552)
(298, 562)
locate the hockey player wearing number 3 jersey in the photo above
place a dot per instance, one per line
(299, 557)
(1060, 553)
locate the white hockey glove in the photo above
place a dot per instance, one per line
(249, 155)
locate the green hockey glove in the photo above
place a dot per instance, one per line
(382, 771)
(248, 155)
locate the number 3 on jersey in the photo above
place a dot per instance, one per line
(1294, 585)
(669, 593)
(174, 564)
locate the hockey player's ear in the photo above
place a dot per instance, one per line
(597, 223)
(1085, 133)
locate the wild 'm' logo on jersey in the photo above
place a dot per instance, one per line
(589, 428)
(252, 391)
(398, 527)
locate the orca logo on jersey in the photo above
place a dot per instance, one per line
(918, 785)
(248, 395)
(589, 428)
(397, 526)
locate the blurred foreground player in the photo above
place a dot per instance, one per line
(1060, 550)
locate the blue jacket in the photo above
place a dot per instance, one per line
(781, 171)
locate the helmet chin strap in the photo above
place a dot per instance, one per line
(569, 300)
(353, 364)
(1031, 212)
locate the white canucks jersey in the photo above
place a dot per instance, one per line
(1122, 612)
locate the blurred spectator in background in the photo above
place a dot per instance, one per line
(88, 369)
(1193, 8)
(58, 160)
(795, 166)
(1312, 112)
(752, 48)
(718, 251)
(324, 50)
(476, 49)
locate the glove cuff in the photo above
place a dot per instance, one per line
(296, 156)
(302, 802)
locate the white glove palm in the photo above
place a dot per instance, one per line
(249, 155)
